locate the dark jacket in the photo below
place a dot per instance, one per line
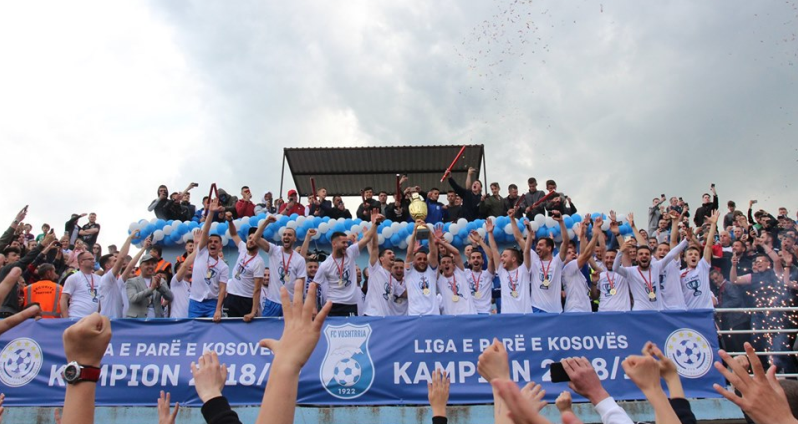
(218, 411)
(704, 211)
(11, 302)
(470, 208)
(365, 208)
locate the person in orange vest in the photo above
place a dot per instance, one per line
(46, 292)
(162, 265)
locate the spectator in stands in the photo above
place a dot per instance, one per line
(728, 219)
(493, 204)
(399, 210)
(368, 204)
(80, 295)
(13, 301)
(292, 206)
(161, 264)
(531, 198)
(71, 227)
(730, 296)
(339, 210)
(452, 208)
(705, 210)
(557, 201)
(655, 213)
(46, 292)
(266, 204)
(320, 206)
(180, 260)
(245, 207)
(159, 205)
(26, 234)
(73, 261)
(97, 251)
(471, 197)
(146, 290)
(382, 197)
(435, 209)
(512, 200)
(45, 230)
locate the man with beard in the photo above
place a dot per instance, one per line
(767, 290)
(452, 285)
(398, 306)
(421, 276)
(670, 284)
(514, 273)
(532, 197)
(382, 288)
(643, 277)
(146, 291)
(574, 283)
(730, 296)
(695, 278)
(286, 267)
(336, 275)
(112, 289)
(613, 288)
(480, 282)
(210, 273)
(545, 268)
(243, 290)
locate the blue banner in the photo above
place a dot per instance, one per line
(363, 360)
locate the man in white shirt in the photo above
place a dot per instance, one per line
(399, 305)
(286, 267)
(452, 284)
(181, 287)
(80, 296)
(577, 290)
(480, 282)
(613, 288)
(112, 289)
(695, 278)
(643, 277)
(336, 275)
(210, 273)
(421, 276)
(546, 269)
(382, 287)
(513, 273)
(243, 290)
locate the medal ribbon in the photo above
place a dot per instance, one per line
(453, 283)
(513, 286)
(285, 265)
(612, 283)
(649, 282)
(91, 284)
(476, 280)
(546, 272)
(340, 268)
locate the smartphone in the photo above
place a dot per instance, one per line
(713, 185)
(557, 373)
(754, 201)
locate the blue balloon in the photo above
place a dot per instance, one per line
(463, 234)
(542, 232)
(168, 241)
(396, 239)
(293, 216)
(301, 233)
(159, 224)
(595, 215)
(445, 227)
(245, 229)
(325, 219)
(283, 220)
(253, 221)
(357, 221)
(221, 228)
(569, 222)
(457, 241)
(497, 231)
(576, 217)
(348, 223)
(268, 233)
(149, 229)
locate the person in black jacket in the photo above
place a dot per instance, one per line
(471, 198)
(706, 208)
(12, 301)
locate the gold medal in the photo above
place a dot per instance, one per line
(546, 282)
(613, 292)
(426, 292)
(340, 283)
(478, 295)
(286, 278)
(209, 274)
(652, 296)
(514, 294)
(455, 298)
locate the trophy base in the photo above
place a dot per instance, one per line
(422, 233)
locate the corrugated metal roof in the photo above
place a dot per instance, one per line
(345, 171)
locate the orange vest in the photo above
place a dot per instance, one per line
(47, 294)
(162, 265)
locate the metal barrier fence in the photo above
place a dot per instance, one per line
(761, 331)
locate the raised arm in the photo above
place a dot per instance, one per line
(468, 181)
(213, 208)
(674, 216)
(412, 244)
(616, 266)
(183, 270)
(456, 257)
(117, 268)
(519, 238)
(374, 250)
(675, 252)
(555, 215)
(774, 257)
(231, 228)
(638, 237)
(733, 277)
(303, 251)
(713, 225)
(372, 232)
(132, 264)
(432, 259)
(587, 251)
(494, 249)
(264, 244)
(474, 236)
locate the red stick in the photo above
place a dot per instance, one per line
(313, 188)
(449, 169)
(398, 187)
(210, 196)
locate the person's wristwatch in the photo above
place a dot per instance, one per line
(75, 373)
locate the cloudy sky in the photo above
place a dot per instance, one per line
(618, 101)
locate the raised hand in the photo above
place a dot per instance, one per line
(563, 401)
(667, 369)
(438, 231)
(312, 232)
(643, 370)
(556, 215)
(209, 376)
(165, 416)
(584, 379)
(521, 410)
(489, 225)
(631, 218)
(493, 363)
(534, 393)
(86, 340)
(438, 392)
(713, 218)
(613, 216)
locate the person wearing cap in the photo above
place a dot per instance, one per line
(292, 206)
(146, 291)
(266, 205)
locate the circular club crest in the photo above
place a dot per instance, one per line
(690, 351)
(21, 361)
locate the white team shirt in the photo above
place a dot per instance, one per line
(337, 278)
(609, 280)
(123, 293)
(480, 284)
(181, 291)
(207, 274)
(421, 302)
(455, 287)
(695, 285)
(670, 287)
(576, 289)
(83, 291)
(382, 293)
(247, 268)
(398, 306)
(279, 260)
(643, 282)
(515, 282)
(546, 298)
(111, 296)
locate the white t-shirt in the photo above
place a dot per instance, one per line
(670, 287)
(337, 277)
(515, 290)
(111, 296)
(123, 293)
(480, 284)
(380, 293)
(455, 294)
(181, 291)
(546, 298)
(207, 274)
(83, 290)
(695, 285)
(246, 270)
(576, 289)
(643, 282)
(279, 260)
(398, 306)
(422, 291)
(618, 302)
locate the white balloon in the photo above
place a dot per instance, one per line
(540, 220)
(605, 225)
(407, 239)
(565, 216)
(570, 234)
(153, 221)
(550, 222)
(356, 229)
(324, 227)
(225, 240)
(402, 245)
(454, 228)
(387, 232)
(133, 227)
(213, 226)
(157, 235)
(291, 224)
(482, 232)
(558, 238)
(448, 237)
(403, 225)
(168, 230)
(301, 220)
(187, 236)
(316, 237)
(176, 223)
(462, 222)
(576, 227)
(179, 241)
(395, 226)
(525, 232)
(277, 236)
(534, 225)
(380, 239)
(508, 229)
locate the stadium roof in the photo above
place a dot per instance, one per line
(346, 171)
